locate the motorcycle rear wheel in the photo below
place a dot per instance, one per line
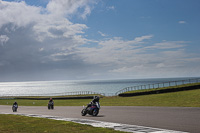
(83, 112)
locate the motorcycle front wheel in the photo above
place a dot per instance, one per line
(95, 112)
(14, 109)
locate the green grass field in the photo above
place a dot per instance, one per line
(190, 98)
(22, 124)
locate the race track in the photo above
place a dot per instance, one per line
(173, 118)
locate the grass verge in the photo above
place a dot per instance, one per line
(22, 124)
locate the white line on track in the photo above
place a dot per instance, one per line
(94, 123)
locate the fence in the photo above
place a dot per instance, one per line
(57, 94)
(158, 85)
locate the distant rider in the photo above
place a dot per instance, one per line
(50, 100)
(51, 104)
(15, 104)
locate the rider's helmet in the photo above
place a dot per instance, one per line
(96, 98)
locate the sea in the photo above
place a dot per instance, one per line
(67, 87)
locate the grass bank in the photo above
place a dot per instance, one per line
(189, 98)
(22, 124)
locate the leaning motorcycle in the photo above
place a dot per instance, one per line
(91, 110)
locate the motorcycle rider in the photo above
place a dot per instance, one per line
(50, 100)
(95, 101)
(15, 105)
(51, 103)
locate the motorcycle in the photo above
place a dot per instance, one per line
(91, 109)
(50, 105)
(14, 108)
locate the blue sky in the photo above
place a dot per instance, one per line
(102, 39)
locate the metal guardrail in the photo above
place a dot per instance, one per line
(158, 85)
(57, 94)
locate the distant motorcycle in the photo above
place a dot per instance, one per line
(14, 108)
(91, 110)
(50, 105)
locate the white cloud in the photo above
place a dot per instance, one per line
(135, 58)
(167, 45)
(86, 12)
(18, 13)
(114, 50)
(160, 65)
(35, 36)
(140, 39)
(3, 39)
(70, 7)
(111, 8)
(51, 23)
(102, 34)
(127, 69)
(181, 22)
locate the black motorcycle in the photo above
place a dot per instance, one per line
(91, 110)
(14, 108)
(50, 105)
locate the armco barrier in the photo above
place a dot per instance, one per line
(160, 91)
(57, 98)
(75, 93)
(158, 85)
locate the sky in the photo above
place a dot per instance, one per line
(99, 39)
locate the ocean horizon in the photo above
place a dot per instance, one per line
(62, 87)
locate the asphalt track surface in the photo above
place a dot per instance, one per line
(172, 118)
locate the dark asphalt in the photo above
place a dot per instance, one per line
(173, 118)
